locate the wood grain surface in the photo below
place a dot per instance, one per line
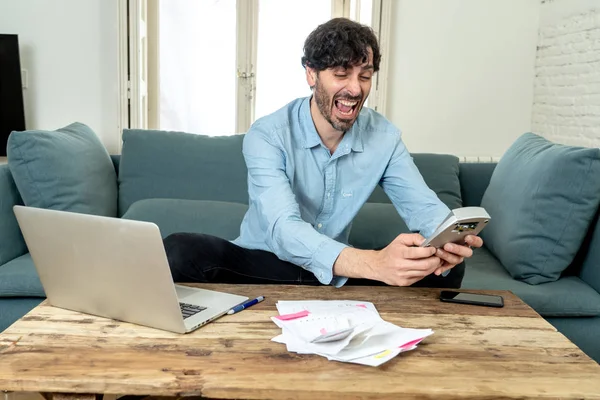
(475, 352)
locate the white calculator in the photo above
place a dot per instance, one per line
(458, 224)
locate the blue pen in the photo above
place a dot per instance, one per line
(246, 305)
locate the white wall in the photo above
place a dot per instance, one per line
(567, 86)
(461, 74)
(70, 50)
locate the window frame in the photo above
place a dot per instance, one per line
(139, 60)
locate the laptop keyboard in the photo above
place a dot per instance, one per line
(187, 310)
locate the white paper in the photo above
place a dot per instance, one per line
(317, 327)
(293, 306)
(345, 331)
(382, 337)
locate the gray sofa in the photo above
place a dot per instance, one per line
(195, 183)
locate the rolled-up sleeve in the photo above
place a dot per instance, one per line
(288, 236)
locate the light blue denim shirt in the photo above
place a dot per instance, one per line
(303, 198)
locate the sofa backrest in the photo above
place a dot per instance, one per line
(160, 164)
(474, 180)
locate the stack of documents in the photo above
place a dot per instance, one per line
(343, 330)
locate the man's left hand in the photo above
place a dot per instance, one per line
(453, 254)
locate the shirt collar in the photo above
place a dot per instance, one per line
(356, 132)
(312, 138)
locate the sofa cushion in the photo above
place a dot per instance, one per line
(583, 332)
(566, 297)
(440, 172)
(590, 268)
(68, 169)
(20, 278)
(541, 197)
(12, 244)
(13, 308)
(218, 218)
(176, 165)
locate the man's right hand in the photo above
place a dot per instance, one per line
(401, 263)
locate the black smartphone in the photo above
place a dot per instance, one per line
(487, 300)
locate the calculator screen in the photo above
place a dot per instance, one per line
(465, 227)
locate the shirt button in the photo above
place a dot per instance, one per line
(328, 194)
(320, 226)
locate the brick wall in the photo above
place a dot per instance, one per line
(566, 104)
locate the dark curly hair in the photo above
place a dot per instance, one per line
(340, 42)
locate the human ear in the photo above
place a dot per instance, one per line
(311, 77)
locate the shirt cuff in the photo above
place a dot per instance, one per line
(323, 260)
(339, 281)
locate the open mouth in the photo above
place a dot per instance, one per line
(346, 107)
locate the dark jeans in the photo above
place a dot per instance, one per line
(204, 258)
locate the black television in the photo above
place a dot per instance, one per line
(12, 114)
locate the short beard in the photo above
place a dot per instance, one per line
(324, 104)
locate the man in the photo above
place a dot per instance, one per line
(311, 167)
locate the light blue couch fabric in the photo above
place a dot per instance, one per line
(159, 164)
(581, 331)
(542, 197)
(567, 297)
(13, 308)
(19, 278)
(217, 218)
(11, 239)
(68, 169)
(590, 269)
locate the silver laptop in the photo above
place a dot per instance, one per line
(114, 268)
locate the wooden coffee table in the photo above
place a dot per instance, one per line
(508, 352)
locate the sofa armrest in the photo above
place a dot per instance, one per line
(474, 180)
(12, 244)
